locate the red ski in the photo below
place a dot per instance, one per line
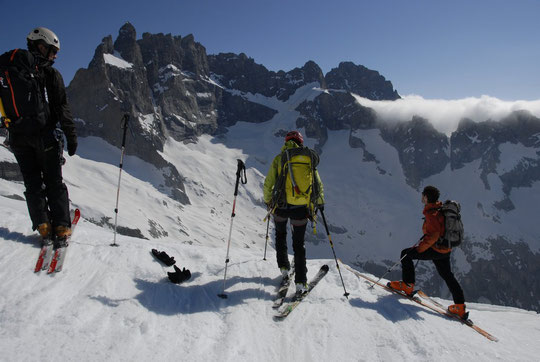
(45, 255)
(57, 261)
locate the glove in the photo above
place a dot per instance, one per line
(163, 257)
(179, 276)
(72, 147)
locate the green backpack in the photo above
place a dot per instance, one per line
(296, 183)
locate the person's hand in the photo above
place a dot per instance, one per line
(71, 147)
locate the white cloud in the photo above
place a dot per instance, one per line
(446, 114)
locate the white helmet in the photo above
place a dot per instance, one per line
(46, 35)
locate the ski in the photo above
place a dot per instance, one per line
(417, 298)
(465, 320)
(45, 255)
(59, 256)
(289, 307)
(283, 289)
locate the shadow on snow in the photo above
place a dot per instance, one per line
(163, 297)
(19, 237)
(392, 309)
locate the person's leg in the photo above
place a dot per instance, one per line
(27, 151)
(280, 223)
(407, 265)
(445, 271)
(299, 230)
(299, 223)
(56, 190)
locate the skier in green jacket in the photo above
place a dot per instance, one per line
(292, 190)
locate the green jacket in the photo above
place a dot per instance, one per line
(275, 170)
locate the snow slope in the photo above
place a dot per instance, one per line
(116, 304)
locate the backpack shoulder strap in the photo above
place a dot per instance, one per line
(21, 58)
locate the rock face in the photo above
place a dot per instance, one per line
(422, 150)
(360, 80)
(10, 171)
(482, 141)
(243, 74)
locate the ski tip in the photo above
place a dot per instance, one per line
(325, 267)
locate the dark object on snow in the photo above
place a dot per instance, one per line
(179, 276)
(163, 257)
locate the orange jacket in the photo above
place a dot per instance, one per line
(433, 229)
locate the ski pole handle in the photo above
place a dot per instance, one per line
(240, 177)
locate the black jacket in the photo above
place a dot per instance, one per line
(59, 111)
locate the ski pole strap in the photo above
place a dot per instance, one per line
(240, 177)
(125, 121)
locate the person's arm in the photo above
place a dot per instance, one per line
(270, 180)
(432, 232)
(60, 110)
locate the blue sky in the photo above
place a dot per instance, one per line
(435, 49)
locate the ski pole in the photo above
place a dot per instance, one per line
(393, 266)
(125, 121)
(346, 294)
(266, 243)
(239, 178)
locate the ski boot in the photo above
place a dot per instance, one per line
(401, 286)
(62, 235)
(459, 310)
(301, 289)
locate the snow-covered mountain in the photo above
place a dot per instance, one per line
(194, 114)
(116, 303)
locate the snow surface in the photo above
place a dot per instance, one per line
(116, 304)
(116, 61)
(513, 155)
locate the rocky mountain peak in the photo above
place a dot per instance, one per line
(360, 80)
(126, 45)
(106, 47)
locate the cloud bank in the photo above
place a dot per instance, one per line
(446, 114)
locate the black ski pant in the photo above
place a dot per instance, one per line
(442, 263)
(299, 218)
(40, 159)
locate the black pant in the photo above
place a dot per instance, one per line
(298, 216)
(40, 159)
(442, 263)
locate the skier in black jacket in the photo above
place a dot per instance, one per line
(39, 152)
